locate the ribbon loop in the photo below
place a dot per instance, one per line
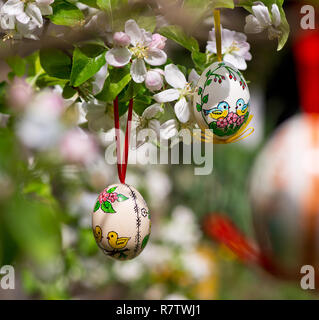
(122, 166)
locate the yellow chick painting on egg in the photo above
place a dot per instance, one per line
(221, 111)
(115, 242)
(98, 234)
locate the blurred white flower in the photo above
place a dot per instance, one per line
(69, 236)
(20, 94)
(169, 129)
(40, 128)
(182, 230)
(154, 79)
(235, 47)
(262, 19)
(140, 52)
(24, 16)
(156, 256)
(128, 271)
(183, 91)
(196, 264)
(160, 184)
(78, 147)
(175, 296)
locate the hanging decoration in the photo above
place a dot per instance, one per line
(121, 221)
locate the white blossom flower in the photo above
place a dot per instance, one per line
(183, 91)
(148, 120)
(24, 16)
(262, 19)
(140, 52)
(235, 48)
(99, 115)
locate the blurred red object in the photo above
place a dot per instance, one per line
(306, 50)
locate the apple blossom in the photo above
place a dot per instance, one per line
(235, 48)
(139, 52)
(262, 19)
(183, 91)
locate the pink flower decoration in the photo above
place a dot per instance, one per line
(222, 123)
(158, 41)
(232, 118)
(240, 120)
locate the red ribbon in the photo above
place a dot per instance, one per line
(306, 50)
(121, 167)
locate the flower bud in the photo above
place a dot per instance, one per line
(121, 39)
(158, 41)
(153, 80)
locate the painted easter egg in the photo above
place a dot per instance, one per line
(285, 196)
(121, 222)
(221, 100)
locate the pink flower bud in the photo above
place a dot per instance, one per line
(153, 80)
(78, 147)
(158, 41)
(121, 39)
(20, 94)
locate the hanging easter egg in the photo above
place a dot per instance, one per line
(285, 196)
(121, 222)
(221, 101)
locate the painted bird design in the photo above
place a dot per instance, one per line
(221, 111)
(115, 242)
(241, 107)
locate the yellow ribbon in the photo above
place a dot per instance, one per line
(218, 35)
(208, 136)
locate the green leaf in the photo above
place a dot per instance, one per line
(47, 81)
(176, 34)
(68, 91)
(86, 65)
(284, 28)
(108, 5)
(111, 190)
(97, 206)
(121, 197)
(107, 207)
(90, 3)
(66, 14)
(17, 64)
(205, 99)
(116, 81)
(223, 4)
(208, 82)
(200, 90)
(144, 242)
(56, 63)
(198, 107)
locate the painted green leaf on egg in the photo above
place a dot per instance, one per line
(121, 197)
(145, 240)
(111, 190)
(107, 207)
(97, 206)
